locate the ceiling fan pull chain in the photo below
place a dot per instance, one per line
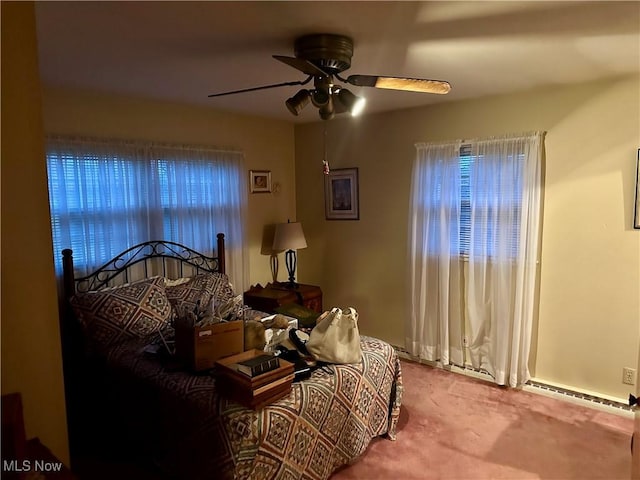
(325, 163)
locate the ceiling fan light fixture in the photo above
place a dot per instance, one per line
(327, 111)
(320, 97)
(323, 57)
(296, 103)
(353, 103)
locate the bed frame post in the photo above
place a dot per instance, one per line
(221, 265)
(68, 279)
(72, 359)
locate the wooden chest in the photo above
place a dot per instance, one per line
(274, 295)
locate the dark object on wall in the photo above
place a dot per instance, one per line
(636, 208)
(632, 399)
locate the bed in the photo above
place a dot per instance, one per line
(123, 399)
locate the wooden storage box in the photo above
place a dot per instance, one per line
(200, 347)
(309, 296)
(253, 392)
(267, 299)
(277, 294)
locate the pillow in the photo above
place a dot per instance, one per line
(129, 311)
(185, 293)
(174, 283)
(230, 309)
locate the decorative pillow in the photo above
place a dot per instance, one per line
(134, 310)
(178, 281)
(230, 309)
(184, 294)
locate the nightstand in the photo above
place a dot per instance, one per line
(309, 296)
(276, 294)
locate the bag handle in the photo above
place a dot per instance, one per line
(297, 342)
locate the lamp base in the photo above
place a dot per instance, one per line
(290, 259)
(274, 267)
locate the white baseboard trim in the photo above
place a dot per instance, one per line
(593, 400)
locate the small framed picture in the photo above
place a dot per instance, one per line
(341, 194)
(260, 181)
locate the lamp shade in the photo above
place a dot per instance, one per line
(353, 103)
(289, 236)
(296, 103)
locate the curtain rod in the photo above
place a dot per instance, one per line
(542, 133)
(138, 143)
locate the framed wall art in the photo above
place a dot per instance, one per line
(341, 200)
(636, 207)
(260, 181)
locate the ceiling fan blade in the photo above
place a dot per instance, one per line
(305, 66)
(263, 87)
(400, 83)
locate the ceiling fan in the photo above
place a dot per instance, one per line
(323, 57)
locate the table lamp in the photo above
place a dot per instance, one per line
(289, 237)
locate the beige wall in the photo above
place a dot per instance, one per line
(589, 317)
(267, 145)
(31, 357)
(589, 312)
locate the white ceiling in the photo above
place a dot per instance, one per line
(183, 51)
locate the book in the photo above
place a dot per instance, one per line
(258, 365)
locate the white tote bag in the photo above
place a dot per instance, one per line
(335, 338)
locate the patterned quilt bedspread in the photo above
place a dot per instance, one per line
(327, 421)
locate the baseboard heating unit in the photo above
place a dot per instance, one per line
(534, 386)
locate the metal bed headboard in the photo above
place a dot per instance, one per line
(156, 257)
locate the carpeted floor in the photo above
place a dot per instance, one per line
(456, 427)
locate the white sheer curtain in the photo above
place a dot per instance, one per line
(473, 242)
(434, 330)
(505, 184)
(205, 193)
(108, 195)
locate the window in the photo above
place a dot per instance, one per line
(479, 200)
(471, 200)
(494, 196)
(108, 196)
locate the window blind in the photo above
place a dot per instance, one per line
(108, 196)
